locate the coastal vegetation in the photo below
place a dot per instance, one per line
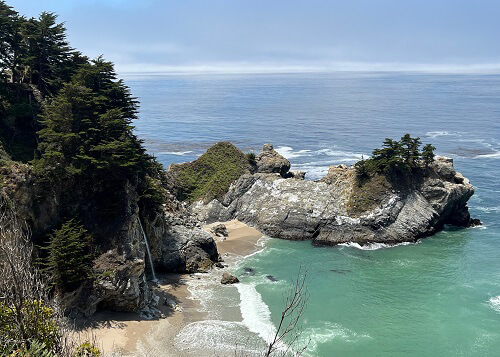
(66, 131)
(210, 175)
(31, 320)
(397, 164)
(396, 157)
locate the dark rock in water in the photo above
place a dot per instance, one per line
(341, 271)
(219, 230)
(219, 265)
(336, 210)
(271, 278)
(475, 222)
(229, 279)
(249, 271)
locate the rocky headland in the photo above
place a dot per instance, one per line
(338, 208)
(120, 271)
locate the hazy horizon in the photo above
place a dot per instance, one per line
(224, 36)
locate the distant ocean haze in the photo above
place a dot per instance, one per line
(438, 297)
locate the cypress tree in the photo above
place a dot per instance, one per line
(68, 262)
(428, 154)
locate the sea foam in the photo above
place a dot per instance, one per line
(256, 314)
(375, 246)
(326, 332)
(177, 153)
(219, 337)
(495, 303)
(288, 152)
(494, 155)
(435, 134)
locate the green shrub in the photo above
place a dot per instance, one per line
(68, 262)
(211, 174)
(251, 158)
(38, 320)
(35, 349)
(87, 349)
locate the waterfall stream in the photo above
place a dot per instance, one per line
(147, 248)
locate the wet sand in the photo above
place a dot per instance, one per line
(129, 334)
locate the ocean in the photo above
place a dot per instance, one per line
(439, 297)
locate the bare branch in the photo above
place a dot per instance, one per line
(288, 332)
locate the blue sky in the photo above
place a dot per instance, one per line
(282, 35)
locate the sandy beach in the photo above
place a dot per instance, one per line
(129, 334)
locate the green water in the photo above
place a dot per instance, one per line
(428, 299)
(437, 298)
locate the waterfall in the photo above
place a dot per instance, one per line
(147, 248)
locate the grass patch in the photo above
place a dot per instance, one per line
(210, 175)
(368, 194)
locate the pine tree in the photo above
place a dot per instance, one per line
(68, 262)
(410, 150)
(87, 128)
(389, 157)
(9, 38)
(46, 56)
(428, 154)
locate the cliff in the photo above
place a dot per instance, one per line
(120, 269)
(338, 209)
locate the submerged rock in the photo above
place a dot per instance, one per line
(336, 209)
(229, 279)
(249, 271)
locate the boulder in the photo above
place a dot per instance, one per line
(219, 230)
(270, 161)
(187, 250)
(229, 279)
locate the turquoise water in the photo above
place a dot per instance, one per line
(440, 297)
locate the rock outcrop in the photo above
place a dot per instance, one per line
(270, 161)
(336, 210)
(220, 230)
(120, 271)
(229, 279)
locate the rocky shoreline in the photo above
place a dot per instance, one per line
(282, 204)
(266, 195)
(131, 334)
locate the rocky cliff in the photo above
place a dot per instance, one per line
(120, 271)
(338, 209)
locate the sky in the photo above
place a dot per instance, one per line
(282, 35)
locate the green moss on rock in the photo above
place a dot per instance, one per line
(209, 176)
(368, 194)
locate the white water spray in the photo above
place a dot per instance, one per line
(147, 248)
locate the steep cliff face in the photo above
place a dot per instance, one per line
(120, 271)
(336, 210)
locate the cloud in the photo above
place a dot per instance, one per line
(253, 68)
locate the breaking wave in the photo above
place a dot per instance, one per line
(435, 134)
(375, 246)
(255, 312)
(176, 153)
(216, 336)
(494, 155)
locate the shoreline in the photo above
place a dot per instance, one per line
(130, 334)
